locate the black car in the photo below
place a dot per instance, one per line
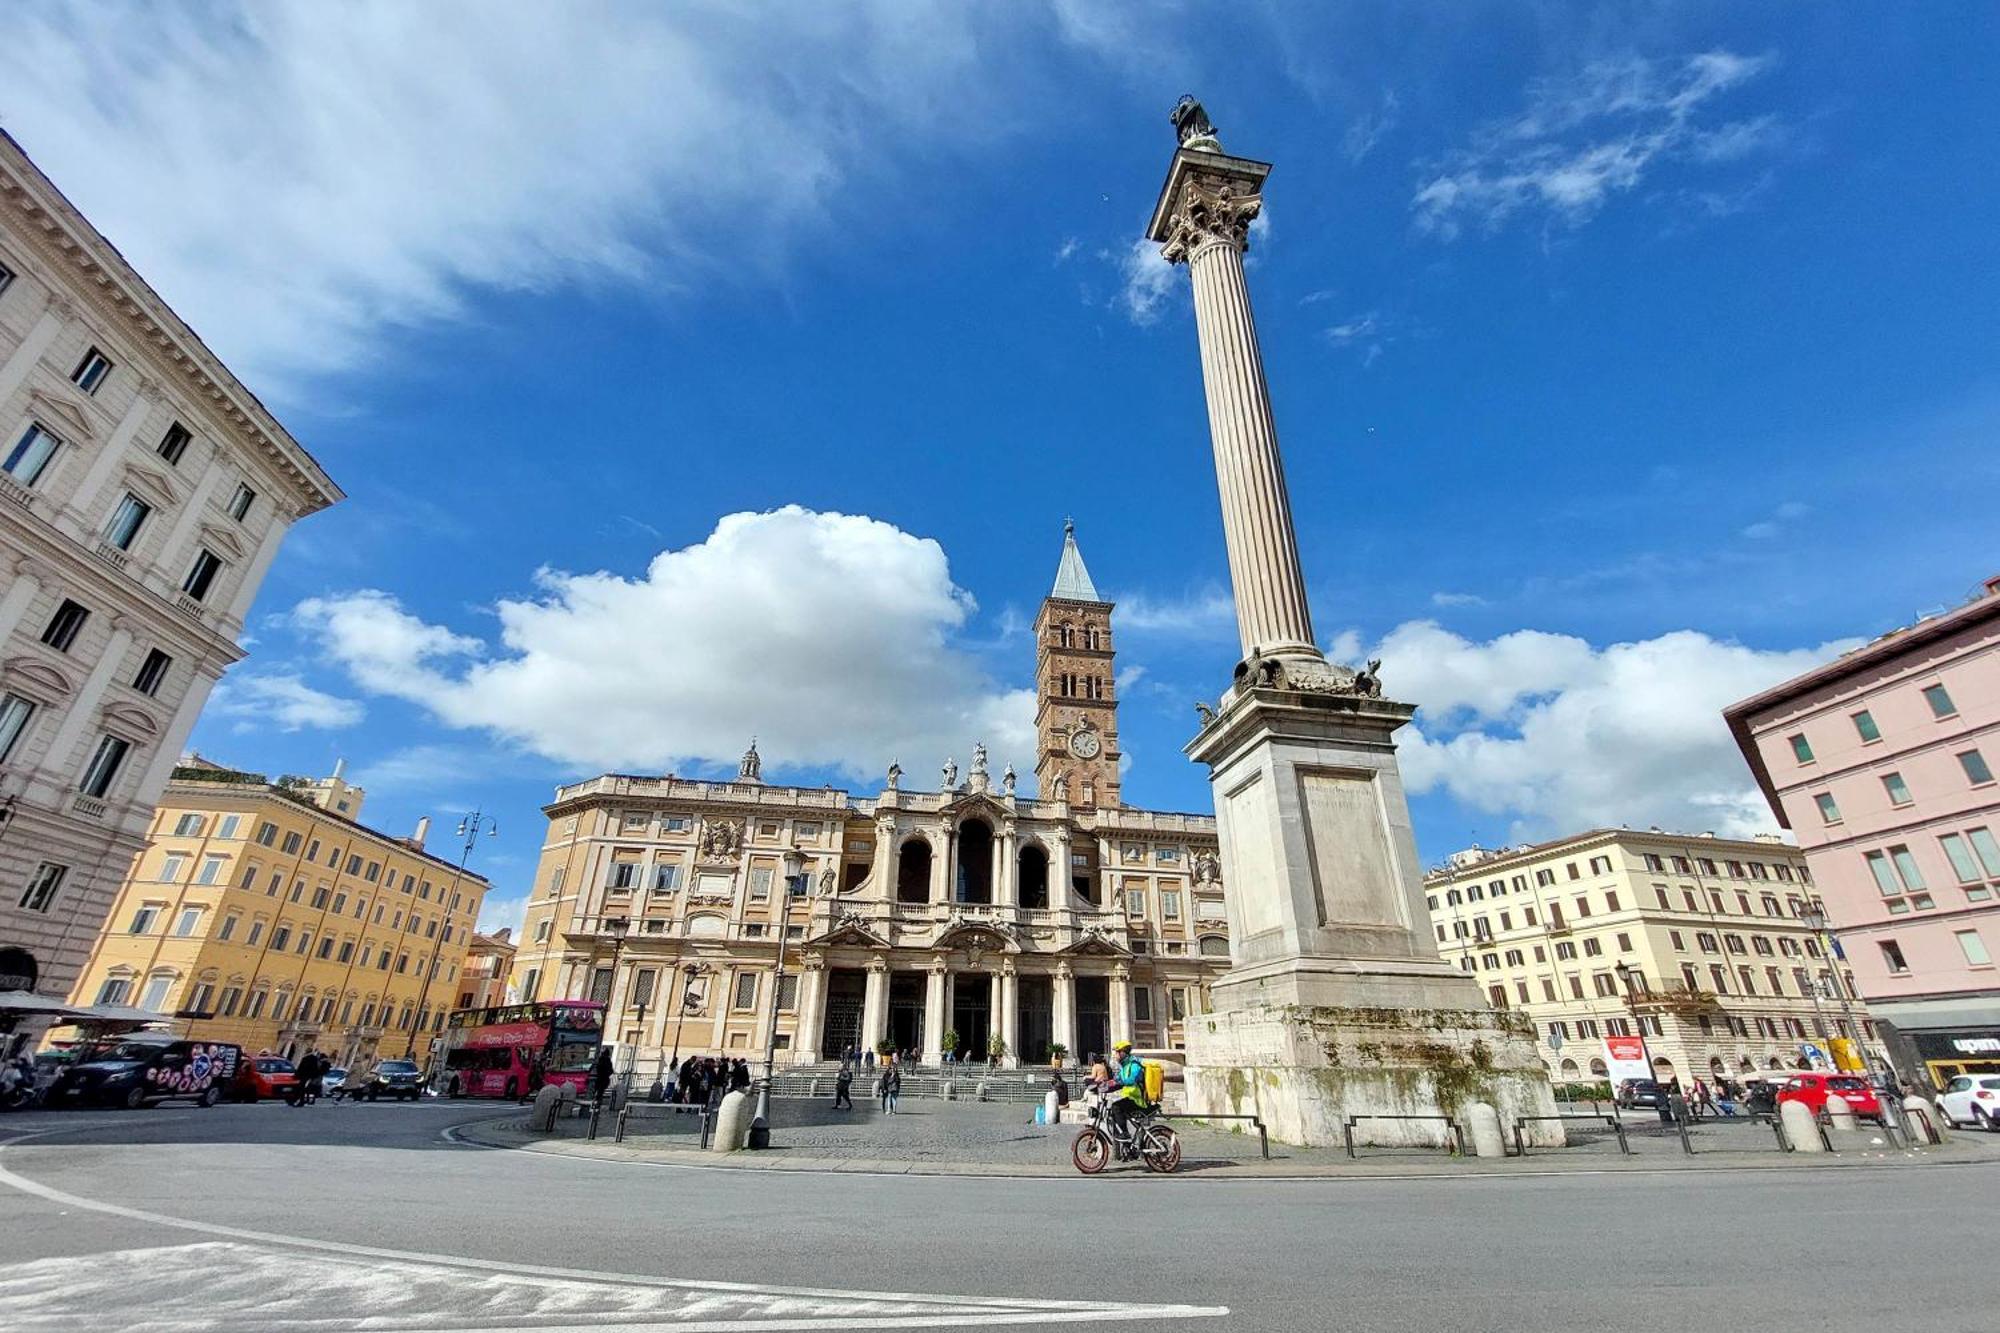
(144, 1071)
(1638, 1092)
(399, 1079)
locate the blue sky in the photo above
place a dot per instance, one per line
(693, 376)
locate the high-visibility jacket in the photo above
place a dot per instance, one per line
(1131, 1076)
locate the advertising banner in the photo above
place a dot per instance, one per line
(1625, 1057)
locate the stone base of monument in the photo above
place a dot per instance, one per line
(1304, 1070)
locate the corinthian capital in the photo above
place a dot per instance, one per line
(1211, 210)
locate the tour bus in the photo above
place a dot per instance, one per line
(492, 1052)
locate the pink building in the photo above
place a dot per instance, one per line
(1883, 764)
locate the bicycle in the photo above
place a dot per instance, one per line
(1157, 1145)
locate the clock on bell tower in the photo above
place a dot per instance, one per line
(1076, 711)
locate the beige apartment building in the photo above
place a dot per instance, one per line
(1015, 924)
(482, 978)
(143, 495)
(1693, 941)
(263, 913)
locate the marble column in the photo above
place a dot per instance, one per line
(875, 1004)
(1064, 993)
(1204, 222)
(1007, 868)
(1121, 1003)
(806, 1021)
(993, 1014)
(1010, 1016)
(884, 871)
(934, 1014)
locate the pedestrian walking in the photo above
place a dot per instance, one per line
(602, 1074)
(307, 1073)
(892, 1087)
(843, 1084)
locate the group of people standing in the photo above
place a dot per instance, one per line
(698, 1079)
(888, 1085)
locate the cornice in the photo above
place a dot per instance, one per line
(64, 239)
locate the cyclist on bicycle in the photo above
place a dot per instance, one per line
(1127, 1090)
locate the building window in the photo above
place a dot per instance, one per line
(171, 866)
(126, 520)
(30, 456)
(788, 992)
(1801, 751)
(760, 882)
(152, 672)
(1899, 790)
(1976, 770)
(142, 920)
(1940, 701)
(666, 878)
(201, 575)
(90, 372)
(189, 922)
(227, 930)
(115, 990)
(1864, 724)
(1170, 904)
(623, 875)
(240, 502)
(1892, 957)
(65, 625)
(1142, 1004)
(1828, 812)
(174, 443)
(43, 887)
(746, 991)
(211, 869)
(104, 766)
(14, 714)
(1973, 947)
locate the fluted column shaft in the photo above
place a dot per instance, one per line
(1272, 616)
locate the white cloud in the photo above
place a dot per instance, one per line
(832, 638)
(495, 913)
(1455, 599)
(284, 701)
(1583, 139)
(1561, 736)
(1067, 250)
(296, 178)
(1206, 612)
(1366, 131)
(1766, 529)
(1148, 281)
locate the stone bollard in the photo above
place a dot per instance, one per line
(732, 1123)
(979, 1091)
(1051, 1109)
(1841, 1125)
(542, 1120)
(1482, 1125)
(656, 1093)
(947, 1090)
(1924, 1119)
(617, 1099)
(1801, 1130)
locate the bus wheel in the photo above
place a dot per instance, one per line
(513, 1090)
(135, 1099)
(210, 1096)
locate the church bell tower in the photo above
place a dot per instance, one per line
(1076, 710)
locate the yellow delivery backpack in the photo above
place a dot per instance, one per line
(1156, 1081)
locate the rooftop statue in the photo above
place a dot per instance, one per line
(1191, 123)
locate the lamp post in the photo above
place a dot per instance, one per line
(796, 882)
(1813, 918)
(1626, 974)
(614, 928)
(469, 829)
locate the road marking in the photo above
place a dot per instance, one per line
(51, 1294)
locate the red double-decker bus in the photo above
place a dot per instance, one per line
(492, 1052)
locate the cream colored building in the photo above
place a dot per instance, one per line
(1070, 919)
(1722, 974)
(143, 494)
(262, 915)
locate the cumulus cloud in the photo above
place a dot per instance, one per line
(1147, 282)
(1585, 138)
(1560, 735)
(283, 701)
(833, 638)
(1367, 130)
(364, 165)
(1206, 612)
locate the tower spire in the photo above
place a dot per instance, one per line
(1072, 579)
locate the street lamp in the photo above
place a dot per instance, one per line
(469, 828)
(615, 929)
(1813, 917)
(797, 878)
(1629, 975)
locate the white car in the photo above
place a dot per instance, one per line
(1972, 1099)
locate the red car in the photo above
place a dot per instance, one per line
(1813, 1088)
(264, 1076)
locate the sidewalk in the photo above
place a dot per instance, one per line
(945, 1139)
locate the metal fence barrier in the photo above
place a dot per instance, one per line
(1263, 1137)
(1457, 1144)
(1591, 1129)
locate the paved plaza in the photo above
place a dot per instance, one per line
(381, 1217)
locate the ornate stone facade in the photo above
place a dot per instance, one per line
(972, 911)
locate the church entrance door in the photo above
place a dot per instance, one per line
(846, 996)
(972, 1013)
(906, 1010)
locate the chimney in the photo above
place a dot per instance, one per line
(423, 831)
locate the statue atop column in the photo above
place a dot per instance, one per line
(1191, 125)
(978, 775)
(950, 776)
(895, 775)
(1007, 781)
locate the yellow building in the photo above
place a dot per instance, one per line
(1693, 941)
(263, 914)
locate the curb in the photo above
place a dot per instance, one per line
(503, 1134)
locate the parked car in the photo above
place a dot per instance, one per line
(145, 1069)
(263, 1077)
(1972, 1099)
(1642, 1092)
(1814, 1087)
(333, 1083)
(400, 1079)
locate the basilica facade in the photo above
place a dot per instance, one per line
(968, 918)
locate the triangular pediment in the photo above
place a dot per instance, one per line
(66, 419)
(976, 803)
(153, 484)
(850, 928)
(222, 541)
(1095, 944)
(40, 678)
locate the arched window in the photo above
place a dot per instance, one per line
(1065, 636)
(913, 872)
(1096, 638)
(975, 863)
(1034, 875)
(1214, 946)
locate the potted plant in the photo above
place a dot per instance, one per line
(948, 1043)
(1057, 1051)
(996, 1049)
(885, 1048)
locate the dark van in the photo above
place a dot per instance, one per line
(143, 1070)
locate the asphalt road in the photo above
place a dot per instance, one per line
(321, 1218)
